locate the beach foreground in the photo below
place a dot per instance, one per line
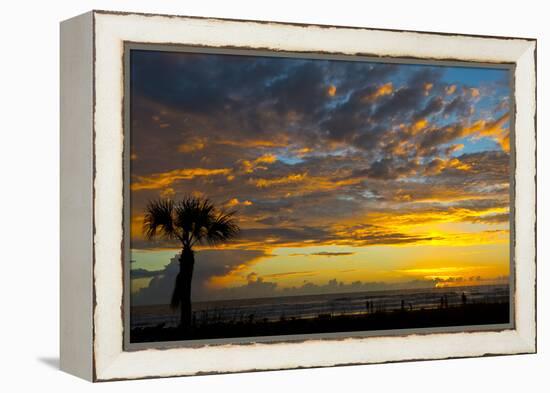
(461, 315)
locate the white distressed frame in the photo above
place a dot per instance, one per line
(111, 30)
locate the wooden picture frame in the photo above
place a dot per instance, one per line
(94, 154)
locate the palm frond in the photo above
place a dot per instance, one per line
(222, 227)
(159, 221)
(192, 220)
(187, 212)
(193, 215)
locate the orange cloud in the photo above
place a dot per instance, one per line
(402, 229)
(419, 125)
(455, 148)
(303, 183)
(504, 142)
(438, 165)
(382, 90)
(255, 143)
(250, 166)
(385, 89)
(163, 180)
(303, 151)
(405, 220)
(294, 178)
(194, 144)
(493, 129)
(450, 89)
(427, 88)
(168, 193)
(235, 202)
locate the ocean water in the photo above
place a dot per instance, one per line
(313, 306)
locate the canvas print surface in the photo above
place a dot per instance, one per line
(284, 195)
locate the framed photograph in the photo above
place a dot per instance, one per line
(245, 195)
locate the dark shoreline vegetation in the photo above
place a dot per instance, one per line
(461, 315)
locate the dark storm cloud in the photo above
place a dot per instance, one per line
(490, 218)
(408, 98)
(350, 117)
(282, 235)
(277, 220)
(389, 168)
(426, 74)
(359, 235)
(208, 264)
(143, 273)
(367, 234)
(195, 82)
(332, 254)
(358, 75)
(210, 97)
(439, 136)
(143, 244)
(324, 254)
(401, 102)
(302, 90)
(432, 107)
(180, 82)
(490, 167)
(480, 205)
(458, 106)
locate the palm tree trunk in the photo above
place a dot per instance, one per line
(185, 277)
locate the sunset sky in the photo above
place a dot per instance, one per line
(345, 175)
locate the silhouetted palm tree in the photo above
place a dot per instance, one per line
(192, 221)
